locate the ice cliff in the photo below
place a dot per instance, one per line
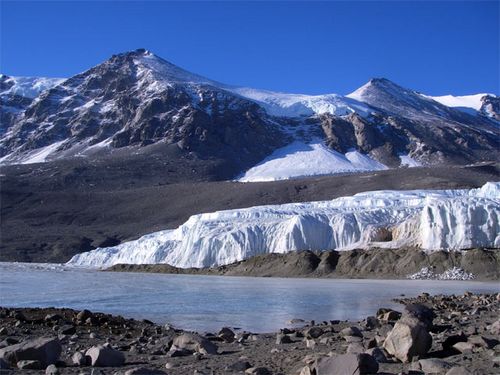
(429, 219)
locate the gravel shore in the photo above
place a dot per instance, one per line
(430, 334)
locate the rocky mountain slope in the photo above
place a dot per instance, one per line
(136, 102)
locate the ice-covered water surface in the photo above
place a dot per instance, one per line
(206, 303)
(429, 219)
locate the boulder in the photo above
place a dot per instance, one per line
(226, 334)
(258, 371)
(46, 350)
(313, 332)
(378, 353)
(194, 343)
(422, 313)
(495, 328)
(79, 359)
(52, 370)
(283, 339)
(144, 371)
(239, 366)
(351, 331)
(352, 364)
(355, 348)
(434, 366)
(390, 316)
(371, 322)
(482, 342)
(458, 370)
(463, 347)
(68, 329)
(408, 338)
(29, 365)
(105, 356)
(83, 315)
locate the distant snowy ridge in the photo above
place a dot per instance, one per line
(28, 87)
(466, 101)
(429, 219)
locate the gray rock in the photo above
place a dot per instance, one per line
(351, 331)
(179, 353)
(52, 370)
(459, 370)
(408, 338)
(144, 371)
(422, 313)
(495, 328)
(378, 353)
(314, 332)
(194, 343)
(79, 359)
(29, 365)
(434, 366)
(371, 322)
(355, 348)
(46, 350)
(390, 316)
(352, 364)
(482, 342)
(226, 334)
(105, 356)
(258, 371)
(83, 315)
(68, 329)
(283, 339)
(463, 347)
(239, 366)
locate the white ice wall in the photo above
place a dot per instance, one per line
(430, 219)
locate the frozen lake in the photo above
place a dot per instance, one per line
(207, 303)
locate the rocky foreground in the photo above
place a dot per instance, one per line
(479, 264)
(432, 335)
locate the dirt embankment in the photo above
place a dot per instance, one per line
(484, 264)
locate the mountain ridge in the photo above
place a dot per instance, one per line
(136, 99)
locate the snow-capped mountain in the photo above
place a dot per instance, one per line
(17, 93)
(428, 219)
(137, 100)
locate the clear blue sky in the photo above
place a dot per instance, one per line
(309, 47)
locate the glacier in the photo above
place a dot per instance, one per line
(427, 219)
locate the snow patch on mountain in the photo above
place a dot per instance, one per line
(429, 219)
(408, 161)
(28, 87)
(39, 155)
(300, 159)
(467, 101)
(297, 105)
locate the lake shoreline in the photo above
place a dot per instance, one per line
(464, 331)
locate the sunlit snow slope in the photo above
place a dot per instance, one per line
(300, 160)
(429, 219)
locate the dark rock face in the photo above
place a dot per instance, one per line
(491, 107)
(138, 99)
